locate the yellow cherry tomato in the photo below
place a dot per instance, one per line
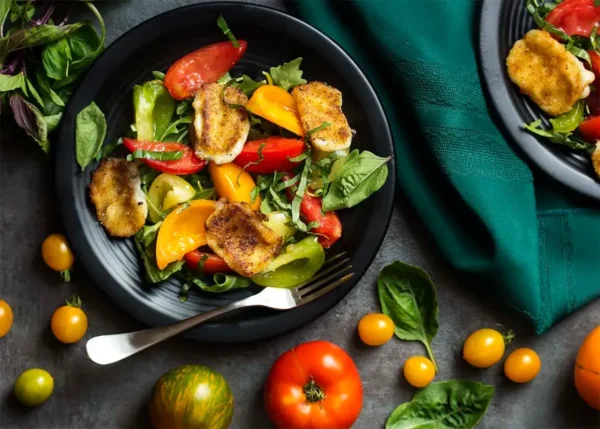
(168, 191)
(69, 323)
(485, 347)
(58, 255)
(6, 318)
(34, 387)
(375, 329)
(233, 183)
(419, 371)
(522, 365)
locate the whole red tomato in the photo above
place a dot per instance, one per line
(314, 386)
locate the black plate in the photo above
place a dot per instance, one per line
(502, 23)
(273, 38)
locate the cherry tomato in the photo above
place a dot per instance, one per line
(6, 318)
(485, 347)
(206, 65)
(575, 17)
(188, 164)
(590, 129)
(522, 365)
(58, 255)
(34, 387)
(375, 329)
(314, 385)
(587, 369)
(275, 151)
(69, 323)
(419, 371)
(213, 264)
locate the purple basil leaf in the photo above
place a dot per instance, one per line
(31, 120)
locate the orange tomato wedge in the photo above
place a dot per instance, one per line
(233, 183)
(182, 231)
(276, 105)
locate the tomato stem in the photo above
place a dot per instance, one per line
(508, 336)
(74, 301)
(313, 392)
(66, 275)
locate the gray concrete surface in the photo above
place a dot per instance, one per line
(89, 396)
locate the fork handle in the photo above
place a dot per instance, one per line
(107, 349)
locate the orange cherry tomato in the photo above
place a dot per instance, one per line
(375, 329)
(522, 365)
(485, 347)
(233, 183)
(276, 105)
(69, 323)
(587, 369)
(182, 231)
(419, 371)
(314, 386)
(6, 318)
(57, 254)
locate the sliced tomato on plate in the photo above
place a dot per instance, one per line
(276, 153)
(213, 264)
(188, 164)
(590, 129)
(206, 65)
(575, 17)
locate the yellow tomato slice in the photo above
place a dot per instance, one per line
(182, 231)
(233, 183)
(276, 105)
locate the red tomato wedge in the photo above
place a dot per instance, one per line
(275, 151)
(590, 129)
(575, 17)
(206, 65)
(188, 164)
(593, 101)
(311, 210)
(212, 265)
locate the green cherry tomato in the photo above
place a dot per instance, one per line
(296, 264)
(34, 387)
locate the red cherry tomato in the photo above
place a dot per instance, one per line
(575, 17)
(213, 264)
(313, 386)
(275, 151)
(206, 65)
(188, 164)
(590, 129)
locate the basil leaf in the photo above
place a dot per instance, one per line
(53, 121)
(56, 59)
(173, 155)
(53, 103)
(361, 175)
(30, 119)
(226, 31)
(90, 131)
(569, 121)
(288, 75)
(453, 404)
(4, 10)
(408, 297)
(85, 44)
(565, 139)
(34, 93)
(225, 283)
(10, 83)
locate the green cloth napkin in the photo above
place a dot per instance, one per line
(518, 237)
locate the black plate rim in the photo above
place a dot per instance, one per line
(244, 331)
(495, 78)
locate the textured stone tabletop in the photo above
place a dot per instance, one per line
(90, 396)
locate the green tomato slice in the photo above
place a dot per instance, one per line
(278, 222)
(297, 264)
(167, 191)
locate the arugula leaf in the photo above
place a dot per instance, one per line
(225, 283)
(247, 85)
(288, 75)
(10, 83)
(408, 297)
(90, 131)
(172, 128)
(147, 253)
(565, 139)
(30, 119)
(361, 175)
(569, 121)
(56, 59)
(158, 156)
(183, 107)
(226, 31)
(459, 404)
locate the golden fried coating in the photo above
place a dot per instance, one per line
(116, 192)
(596, 159)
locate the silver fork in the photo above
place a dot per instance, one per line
(106, 349)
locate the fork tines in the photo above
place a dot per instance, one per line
(332, 269)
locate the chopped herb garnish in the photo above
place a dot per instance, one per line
(173, 155)
(315, 130)
(200, 266)
(226, 31)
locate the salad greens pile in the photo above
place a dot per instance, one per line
(42, 58)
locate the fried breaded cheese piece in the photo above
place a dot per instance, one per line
(237, 234)
(596, 158)
(544, 70)
(117, 194)
(219, 131)
(317, 103)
